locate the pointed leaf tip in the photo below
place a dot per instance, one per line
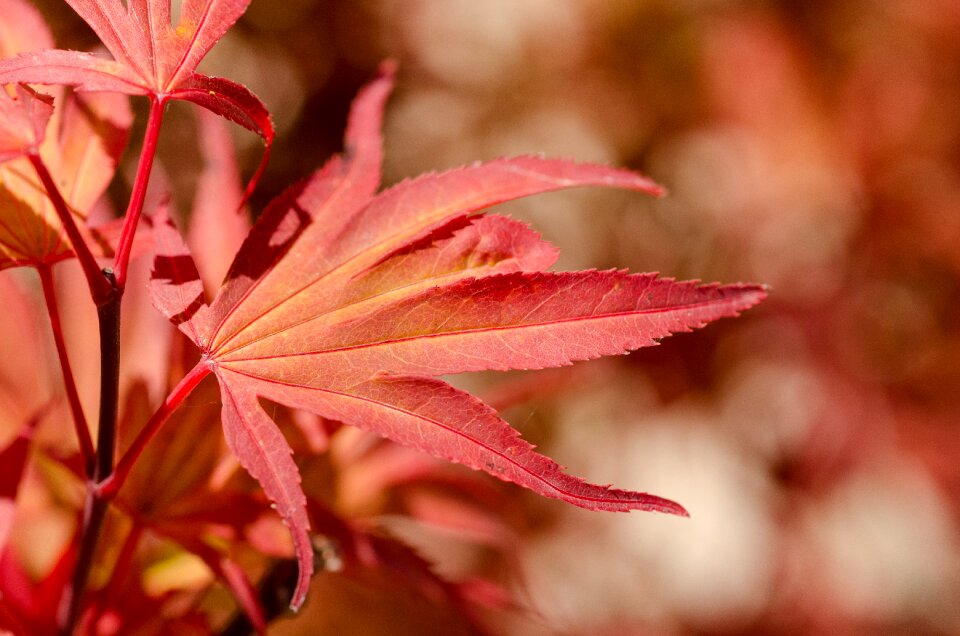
(413, 208)
(666, 506)
(258, 444)
(363, 143)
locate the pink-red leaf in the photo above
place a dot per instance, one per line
(257, 442)
(141, 37)
(214, 223)
(513, 321)
(202, 24)
(228, 99)
(488, 245)
(151, 57)
(413, 208)
(436, 418)
(110, 20)
(396, 219)
(85, 139)
(83, 71)
(347, 305)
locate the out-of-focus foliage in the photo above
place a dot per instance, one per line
(811, 145)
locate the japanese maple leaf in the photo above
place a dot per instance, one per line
(349, 304)
(86, 140)
(80, 141)
(150, 57)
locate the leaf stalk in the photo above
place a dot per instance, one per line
(110, 486)
(139, 193)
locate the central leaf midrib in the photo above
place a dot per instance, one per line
(477, 330)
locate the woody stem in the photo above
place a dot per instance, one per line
(108, 314)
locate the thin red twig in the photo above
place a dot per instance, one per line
(100, 288)
(70, 385)
(139, 192)
(109, 487)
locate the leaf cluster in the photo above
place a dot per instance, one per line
(341, 308)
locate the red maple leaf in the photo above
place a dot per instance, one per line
(349, 304)
(150, 57)
(82, 148)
